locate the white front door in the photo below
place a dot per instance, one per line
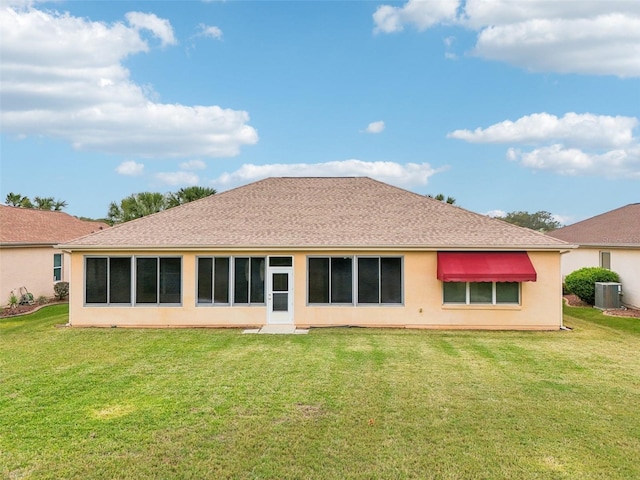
(280, 295)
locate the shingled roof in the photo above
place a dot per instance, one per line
(317, 212)
(619, 227)
(27, 226)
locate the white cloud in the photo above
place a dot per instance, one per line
(210, 31)
(495, 213)
(619, 163)
(160, 27)
(411, 174)
(599, 37)
(375, 127)
(63, 77)
(573, 129)
(177, 178)
(418, 13)
(130, 168)
(193, 165)
(576, 144)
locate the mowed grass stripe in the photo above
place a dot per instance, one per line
(337, 403)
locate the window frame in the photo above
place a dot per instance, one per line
(355, 281)
(494, 294)
(231, 285)
(58, 268)
(133, 276)
(605, 254)
(214, 274)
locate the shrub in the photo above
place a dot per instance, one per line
(61, 290)
(13, 300)
(42, 300)
(582, 282)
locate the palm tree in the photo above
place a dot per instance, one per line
(188, 194)
(442, 198)
(44, 203)
(14, 199)
(58, 205)
(136, 206)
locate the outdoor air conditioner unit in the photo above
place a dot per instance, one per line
(608, 295)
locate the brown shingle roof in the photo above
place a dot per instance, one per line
(617, 227)
(20, 226)
(318, 212)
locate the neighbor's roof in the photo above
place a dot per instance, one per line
(317, 212)
(618, 227)
(27, 226)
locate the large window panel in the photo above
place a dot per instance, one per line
(120, 280)
(455, 292)
(257, 280)
(205, 280)
(390, 280)
(480, 292)
(341, 280)
(368, 280)
(241, 280)
(96, 280)
(507, 292)
(57, 267)
(318, 281)
(170, 280)
(146, 280)
(221, 280)
(249, 280)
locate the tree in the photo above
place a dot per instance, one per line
(18, 200)
(540, 221)
(44, 203)
(58, 205)
(136, 206)
(188, 194)
(441, 197)
(145, 203)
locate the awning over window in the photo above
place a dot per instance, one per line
(485, 267)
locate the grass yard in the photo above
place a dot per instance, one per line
(337, 403)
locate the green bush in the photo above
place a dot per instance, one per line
(61, 290)
(582, 282)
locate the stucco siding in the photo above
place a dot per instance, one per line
(422, 307)
(30, 267)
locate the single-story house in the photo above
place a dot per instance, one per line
(28, 258)
(609, 240)
(314, 252)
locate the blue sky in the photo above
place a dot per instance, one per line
(505, 105)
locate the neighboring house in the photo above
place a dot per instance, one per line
(317, 252)
(28, 258)
(610, 240)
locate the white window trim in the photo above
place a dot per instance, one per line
(493, 295)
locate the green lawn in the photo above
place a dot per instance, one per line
(337, 403)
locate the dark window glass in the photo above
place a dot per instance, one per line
(280, 261)
(368, 280)
(455, 292)
(57, 267)
(280, 302)
(391, 280)
(170, 280)
(341, 280)
(96, 280)
(221, 280)
(205, 274)
(318, 280)
(146, 280)
(507, 292)
(241, 281)
(120, 280)
(257, 280)
(480, 292)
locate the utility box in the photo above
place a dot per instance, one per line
(608, 295)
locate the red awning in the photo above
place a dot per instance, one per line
(485, 267)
